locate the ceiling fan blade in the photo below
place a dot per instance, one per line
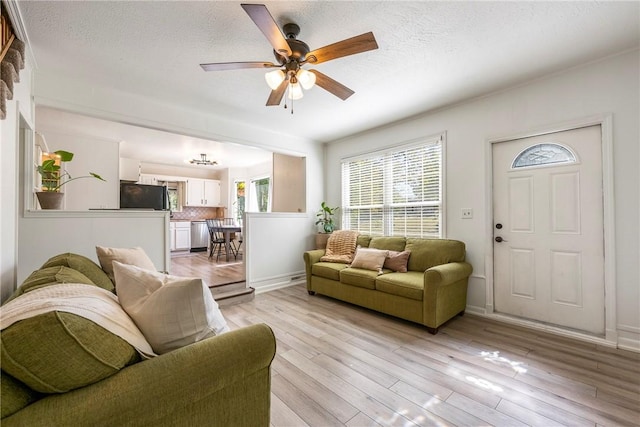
(330, 85)
(357, 44)
(263, 19)
(276, 95)
(221, 66)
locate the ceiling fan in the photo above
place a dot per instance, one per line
(291, 54)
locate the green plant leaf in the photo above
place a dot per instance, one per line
(65, 156)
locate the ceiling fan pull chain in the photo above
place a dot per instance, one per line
(285, 97)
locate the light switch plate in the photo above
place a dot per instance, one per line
(467, 213)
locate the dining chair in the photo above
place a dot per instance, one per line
(233, 237)
(239, 239)
(216, 237)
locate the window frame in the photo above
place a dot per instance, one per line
(253, 203)
(387, 206)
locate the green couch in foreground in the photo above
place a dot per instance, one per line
(102, 380)
(431, 292)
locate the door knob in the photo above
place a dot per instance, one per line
(498, 226)
(499, 239)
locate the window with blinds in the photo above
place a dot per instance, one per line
(397, 192)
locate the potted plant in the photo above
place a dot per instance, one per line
(325, 218)
(50, 196)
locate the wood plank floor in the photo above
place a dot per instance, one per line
(341, 365)
(198, 264)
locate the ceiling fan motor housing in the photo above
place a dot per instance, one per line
(299, 49)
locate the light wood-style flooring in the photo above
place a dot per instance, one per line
(198, 264)
(340, 365)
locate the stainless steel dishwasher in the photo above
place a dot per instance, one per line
(199, 236)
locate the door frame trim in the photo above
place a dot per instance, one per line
(605, 121)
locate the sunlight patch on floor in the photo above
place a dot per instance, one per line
(487, 385)
(495, 358)
(401, 417)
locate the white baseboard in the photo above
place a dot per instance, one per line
(547, 328)
(277, 285)
(475, 310)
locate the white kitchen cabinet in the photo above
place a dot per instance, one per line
(203, 192)
(180, 235)
(148, 179)
(129, 169)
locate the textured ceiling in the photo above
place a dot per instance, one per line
(431, 54)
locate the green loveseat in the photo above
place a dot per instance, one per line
(219, 381)
(432, 291)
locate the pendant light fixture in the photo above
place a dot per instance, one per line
(203, 161)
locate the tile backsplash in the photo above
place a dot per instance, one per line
(191, 213)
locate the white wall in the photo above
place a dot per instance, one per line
(91, 154)
(274, 247)
(607, 86)
(81, 232)
(19, 114)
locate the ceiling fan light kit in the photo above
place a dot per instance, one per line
(274, 78)
(291, 54)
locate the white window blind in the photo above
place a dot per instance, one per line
(397, 192)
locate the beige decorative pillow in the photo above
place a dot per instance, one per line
(131, 256)
(340, 246)
(369, 259)
(397, 261)
(170, 311)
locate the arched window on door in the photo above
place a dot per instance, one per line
(543, 154)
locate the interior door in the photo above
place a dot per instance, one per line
(548, 229)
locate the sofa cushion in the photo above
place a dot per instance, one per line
(55, 352)
(359, 277)
(85, 266)
(408, 285)
(328, 270)
(425, 253)
(15, 395)
(50, 275)
(341, 246)
(389, 243)
(397, 261)
(170, 311)
(363, 240)
(131, 256)
(369, 259)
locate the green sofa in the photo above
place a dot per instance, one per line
(219, 381)
(432, 291)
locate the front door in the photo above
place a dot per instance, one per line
(548, 229)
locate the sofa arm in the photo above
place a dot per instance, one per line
(445, 292)
(310, 258)
(446, 274)
(224, 380)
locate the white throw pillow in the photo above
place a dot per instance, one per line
(170, 311)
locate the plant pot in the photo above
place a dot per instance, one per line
(50, 199)
(321, 240)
